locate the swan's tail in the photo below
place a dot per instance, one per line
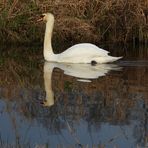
(107, 59)
(114, 58)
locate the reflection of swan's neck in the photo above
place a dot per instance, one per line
(49, 100)
(48, 38)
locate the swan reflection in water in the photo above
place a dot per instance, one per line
(84, 73)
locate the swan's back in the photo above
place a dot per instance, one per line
(84, 49)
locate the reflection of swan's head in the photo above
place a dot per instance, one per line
(49, 101)
(47, 17)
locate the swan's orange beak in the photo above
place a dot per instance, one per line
(41, 18)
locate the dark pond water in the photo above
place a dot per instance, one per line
(64, 106)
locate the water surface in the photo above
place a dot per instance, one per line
(47, 104)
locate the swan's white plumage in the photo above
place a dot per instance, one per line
(79, 53)
(85, 53)
(85, 49)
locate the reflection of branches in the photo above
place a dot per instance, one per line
(14, 123)
(65, 115)
(125, 135)
(48, 117)
(71, 131)
(93, 112)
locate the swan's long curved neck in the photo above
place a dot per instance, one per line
(48, 39)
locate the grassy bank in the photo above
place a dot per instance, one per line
(76, 20)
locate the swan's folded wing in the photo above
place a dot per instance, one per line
(84, 49)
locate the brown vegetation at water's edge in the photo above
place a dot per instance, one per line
(76, 20)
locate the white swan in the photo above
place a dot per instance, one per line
(79, 53)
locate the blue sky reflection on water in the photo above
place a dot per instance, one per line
(14, 126)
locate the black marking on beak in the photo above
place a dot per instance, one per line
(42, 15)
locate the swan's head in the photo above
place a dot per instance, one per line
(46, 17)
